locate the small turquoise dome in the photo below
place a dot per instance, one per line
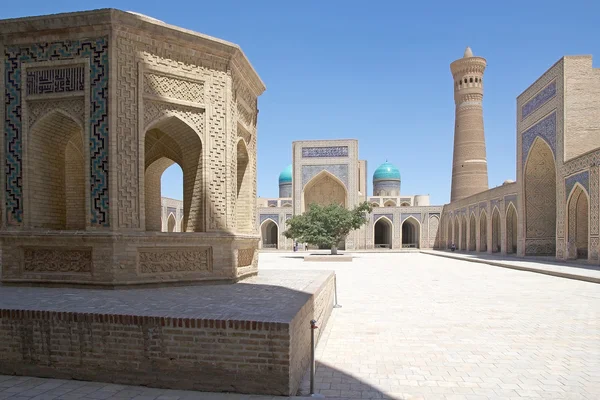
(386, 172)
(286, 175)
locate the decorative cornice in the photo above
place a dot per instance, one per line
(235, 58)
(471, 65)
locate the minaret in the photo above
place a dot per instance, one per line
(469, 164)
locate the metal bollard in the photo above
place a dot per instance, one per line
(336, 305)
(313, 327)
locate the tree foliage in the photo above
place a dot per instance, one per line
(326, 225)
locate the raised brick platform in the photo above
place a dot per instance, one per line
(249, 337)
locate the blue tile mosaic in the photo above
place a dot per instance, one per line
(286, 203)
(483, 205)
(540, 99)
(338, 170)
(171, 210)
(511, 198)
(271, 203)
(383, 188)
(388, 216)
(274, 217)
(288, 216)
(96, 50)
(285, 190)
(332, 151)
(545, 129)
(494, 203)
(583, 178)
(403, 216)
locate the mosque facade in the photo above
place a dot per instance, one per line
(552, 209)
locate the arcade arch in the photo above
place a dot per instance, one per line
(411, 230)
(167, 141)
(540, 200)
(577, 223)
(383, 233)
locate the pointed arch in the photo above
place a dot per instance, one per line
(405, 204)
(244, 182)
(171, 139)
(449, 233)
(463, 233)
(171, 223)
(483, 231)
(57, 174)
(389, 203)
(456, 232)
(540, 199)
(511, 229)
(383, 232)
(269, 233)
(411, 233)
(472, 232)
(324, 188)
(434, 232)
(496, 232)
(578, 222)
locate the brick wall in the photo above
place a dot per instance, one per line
(319, 308)
(179, 353)
(211, 355)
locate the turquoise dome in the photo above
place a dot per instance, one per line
(386, 171)
(286, 175)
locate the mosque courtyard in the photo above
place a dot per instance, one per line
(416, 326)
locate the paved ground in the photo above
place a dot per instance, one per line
(248, 300)
(573, 269)
(415, 326)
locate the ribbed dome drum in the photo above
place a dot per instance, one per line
(285, 182)
(386, 180)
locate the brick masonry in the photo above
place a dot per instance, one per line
(181, 342)
(156, 95)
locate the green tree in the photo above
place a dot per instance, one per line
(326, 225)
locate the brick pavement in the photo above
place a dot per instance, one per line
(572, 269)
(415, 326)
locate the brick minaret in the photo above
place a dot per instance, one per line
(469, 164)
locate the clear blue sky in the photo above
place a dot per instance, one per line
(378, 72)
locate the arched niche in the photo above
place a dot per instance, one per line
(167, 141)
(324, 189)
(383, 233)
(57, 173)
(540, 200)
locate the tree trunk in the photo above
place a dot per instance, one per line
(334, 250)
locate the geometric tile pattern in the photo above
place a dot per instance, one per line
(273, 217)
(55, 80)
(388, 216)
(404, 216)
(97, 52)
(271, 203)
(542, 97)
(333, 151)
(340, 171)
(545, 129)
(511, 198)
(583, 178)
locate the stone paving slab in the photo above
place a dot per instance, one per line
(29, 388)
(251, 299)
(415, 326)
(548, 266)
